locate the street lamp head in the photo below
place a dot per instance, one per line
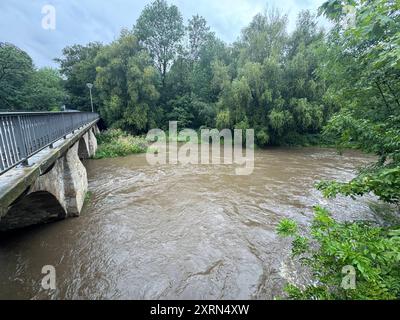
(89, 85)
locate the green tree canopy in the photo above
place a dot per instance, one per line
(160, 29)
(126, 81)
(45, 90)
(79, 67)
(16, 68)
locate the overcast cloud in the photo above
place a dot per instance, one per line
(83, 21)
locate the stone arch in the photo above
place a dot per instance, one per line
(84, 148)
(34, 208)
(67, 181)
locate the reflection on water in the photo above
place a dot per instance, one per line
(176, 231)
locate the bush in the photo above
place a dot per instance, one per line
(373, 252)
(262, 137)
(110, 135)
(116, 143)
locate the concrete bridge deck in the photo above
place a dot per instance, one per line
(51, 184)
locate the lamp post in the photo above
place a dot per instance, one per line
(90, 86)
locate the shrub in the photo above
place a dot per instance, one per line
(115, 143)
(262, 137)
(373, 252)
(110, 135)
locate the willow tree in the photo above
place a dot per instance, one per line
(126, 81)
(274, 85)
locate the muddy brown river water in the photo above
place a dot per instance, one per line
(179, 231)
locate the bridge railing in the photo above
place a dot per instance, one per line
(23, 134)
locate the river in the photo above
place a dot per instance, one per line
(179, 231)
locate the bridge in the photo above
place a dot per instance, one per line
(42, 178)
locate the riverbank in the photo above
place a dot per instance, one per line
(115, 143)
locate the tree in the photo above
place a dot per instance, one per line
(275, 87)
(370, 115)
(16, 68)
(181, 111)
(305, 33)
(265, 37)
(160, 29)
(79, 68)
(126, 80)
(45, 91)
(22, 87)
(367, 65)
(198, 33)
(212, 50)
(190, 77)
(361, 69)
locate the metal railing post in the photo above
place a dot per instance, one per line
(19, 138)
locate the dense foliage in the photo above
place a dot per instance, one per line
(367, 66)
(22, 87)
(79, 67)
(288, 87)
(363, 56)
(117, 143)
(272, 84)
(162, 70)
(372, 251)
(125, 81)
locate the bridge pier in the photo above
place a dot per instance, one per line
(57, 193)
(66, 181)
(88, 144)
(92, 141)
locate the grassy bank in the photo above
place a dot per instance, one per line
(116, 143)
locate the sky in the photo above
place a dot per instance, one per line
(83, 21)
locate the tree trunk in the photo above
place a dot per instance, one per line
(381, 92)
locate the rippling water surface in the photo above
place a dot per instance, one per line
(179, 232)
